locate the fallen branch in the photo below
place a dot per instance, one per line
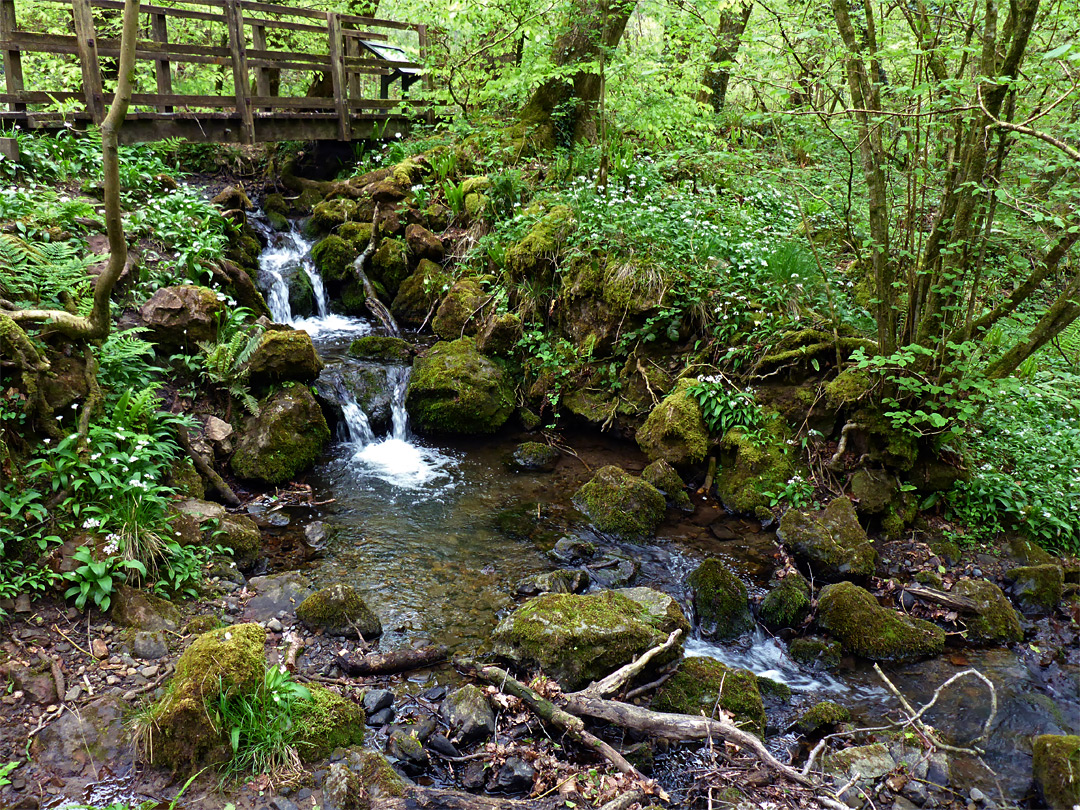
(296, 646)
(961, 604)
(391, 662)
(622, 676)
(371, 298)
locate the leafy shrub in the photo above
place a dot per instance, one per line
(725, 407)
(96, 579)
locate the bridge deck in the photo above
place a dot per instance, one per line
(294, 73)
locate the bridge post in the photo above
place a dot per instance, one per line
(86, 43)
(234, 19)
(337, 73)
(262, 74)
(159, 29)
(12, 58)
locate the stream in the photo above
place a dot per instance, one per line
(435, 537)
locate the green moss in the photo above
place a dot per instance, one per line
(338, 610)
(815, 650)
(675, 431)
(663, 476)
(821, 716)
(334, 258)
(995, 622)
(185, 479)
(326, 216)
(500, 334)
(284, 355)
(536, 255)
(459, 313)
(287, 436)
(535, 456)
(854, 617)
(696, 686)
(381, 348)
(475, 185)
(620, 505)
(1057, 769)
(201, 624)
(326, 722)
(409, 172)
(720, 601)
(800, 349)
(476, 206)
(357, 234)
(455, 389)
(419, 293)
(241, 535)
(773, 689)
(378, 775)
(786, 605)
(886, 444)
(1037, 588)
(752, 467)
(948, 551)
(390, 265)
(830, 542)
(353, 298)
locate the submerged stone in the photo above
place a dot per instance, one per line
(339, 611)
(720, 601)
(695, 688)
(620, 505)
(534, 457)
(855, 618)
(675, 431)
(831, 543)
(455, 389)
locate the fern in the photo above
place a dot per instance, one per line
(1069, 342)
(125, 360)
(225, 363)
(43, 272)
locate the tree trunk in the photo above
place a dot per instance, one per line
(728, 38)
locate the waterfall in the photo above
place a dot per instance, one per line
(288, 254)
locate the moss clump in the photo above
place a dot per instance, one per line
(353, 298)
(410, 171)
(535, 457)
(334, 257)
(1057, 769)
(1037, 588)
(995, 622)
(797, 351)
(720, 601)
(381, 348)
(577, 639)
(821, 716)
(814, 650)
(752, 467)
(301, 294)
(773, 689)
(695, 688)
(326, 722)
(286, 437)
(460, 311)
(377, 775)
(620, 505)
(831, 543)
(326, 216)
(339, 611)
(357, 234)
(884, 442)
(663, 476)
(390, 265)
(862, 626)
(455, 389)
(419, 292)
(786, 605)
(240, 534)
(284, 355)
(675, 431)
(537, 254)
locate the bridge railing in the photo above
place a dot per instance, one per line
(294, 73)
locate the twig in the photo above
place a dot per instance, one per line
(72, 643)
(622, 676)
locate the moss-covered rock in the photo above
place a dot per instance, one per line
(419, 293)
(675, 431)
(326, 722)
(696, 686)
(284, 354)
(382, 348)
(285, 439)
(240, 534)
(460, 312)
(773, 690)
(1037, 588)
(814, 650)
(720, 601)
(499, 334)
(881, 441)
(326, 216)
(873, 490)
(134, 608)
(390, 265)
(423, 244)
(227, 661)
(578, 639)
(854, 617)
(468, 714)
(301, 294)
(620, 505)
(334, 258)
(822, 717)
(534, 457)
(831, 543)
(663, 476)
(339, 611)
(182, 316)
(786, 605)
(537, 254)
(455, 389)
(753, 467)
(996, 622)
(1057, 769)
(185, 479)
(799, 354)
(357, 234)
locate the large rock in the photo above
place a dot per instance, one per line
(419, 293)
(339, 611)
(134, 608)
(720, 601)
(536, 255)
(455, 389)
(854, 617)
(831, 543)
(182, 316)
(1057, 770)
(996, 622)
(284, 355)
(620, 505)
(285, 439)
(675, 431)
(752, 467)
(1037, 588)
(334, 258)
(460, 312)
(326, 722)
(699, 683)
(423, 244)
(84, 739)
(663, 476)
(499, 334)
(390, 265)
(469, 715)
(381, 348)
(578, 639)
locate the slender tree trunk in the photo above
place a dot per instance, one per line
(728, 38)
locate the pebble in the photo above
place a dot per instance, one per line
(977, 572)
(376, 700)
(108, 629)
(72, 694)
(99, 649)
(112, 680)
(977, 795)
(274, 626)
(150, 672)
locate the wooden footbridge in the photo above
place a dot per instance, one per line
(227, 71)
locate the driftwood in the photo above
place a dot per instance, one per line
(961, 604)
(391, 662)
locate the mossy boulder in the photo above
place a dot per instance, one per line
(620, 505)
(578, 639)
(720, 601)
(381, 348)
(854, 617)
(534, 457)
(1037, 588)
(1057, 769)
(390, 265)
(468, 714)
(286, 437)
(696, 686)
(410, 171)
(536, 255)
(185, 479)
(419, 293)
(357, 234)
(455, 389)
(822, 717)
(282, 355)
(301, 294)
(339, 611)
(873, 490)
(240, 534)
(182, 315)
(786, 605)
(996, 622)
(460, 311)
(326, 722)
(663, 476)
(831, 543)
(326, 216)
(753, 467)
(499, 334)
(334, 258)
(882, 441)
(227, 661)
(814, 650)
(423, 244)
(675, 431)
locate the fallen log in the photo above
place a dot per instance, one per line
(961, 604)
(390, 662)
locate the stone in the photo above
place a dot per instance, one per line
(286, 437)
(390, 265)
(381, 348)
(620, 505)
(409, 752)
(572, 550)
(343, 790)
(35, 682)
(720, 601)
(284, 355)
(831, 543)
(580, 638)
(182, 316)
(613, 570)
(1057, 770)
(815, 650)
(864, 762)
(469, 715)
(536, 255)
(423, 244)
(99, 649)
(217, 430)
(419, 293)
(873, 490)
(996, 622)
(534, 457)
(663, 476)
(499, 334)
(149, 645)
(339, 611)
(376, 700)
(334, 258)
(134, 608)
(276, 594)
(674, 430)
(441, 745)
(854, 617)
(696, 687)
(1037, 588)
(326, 722)
(241, 535)
(554, 582)
(515, 776)
(787, 604)
(460, 313)
(94, 735)
(233, 198)
(383, 717)
(455, 389)
(821, 716)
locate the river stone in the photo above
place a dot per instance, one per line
(419, 293)
(831, 543)
(996, 622)
(339, 611)
(863, 762)
(620, 505)
(280, 593)
(93, 735)
(577, 639)
(696, 687)
(35, 682)
(786, 605)
(382, 348)
(286, 437)
(515, 776)
(720, 601)
(572, 550)
(469, 715)
(554, 582)
(823, 715)
(134, 608)
(410, 754)
(460, 313)
(390, 265)
(675, 431)
(283, 355)
(534, 457)
(613, 570)
(663, 476)
(1037, 588)
(342, 789)
(149, 645)
(455, 389)
(814, 650)
(1057, 770)
(862, 626)
(182, 316)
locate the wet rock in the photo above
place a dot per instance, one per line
(996, 621)
(149, 645)
(786, 605)
(1028, 552)
(383, 717)
(134, 608)
(696, 686)
(515, 776)
(375, 700)
(276, 594)
(864, 763)
(440, 745)
(285, 439)
(855, 618)
(390, 265)
(233, 198)
(455, 389)
(499, 334)
(404, 747)
(534, 457)
(620, 505)
(572, 550)
(554, 582)
(284, 355)
(94, 735)
(382, 348)
(831, 543)
(469, 715)
(343, 790)
(663, 476)
(751, 467)
(317, 534)
(418, 293)
(475, 777)
(339, 611)
(577, 639)
(821, 717)
(423, 244)
(1057, 770)
(720, 601)
(1037, 588)
(460, 314)
(182, 316)
(334, 257)
(873, 490)
(613, 570)
(675, 431)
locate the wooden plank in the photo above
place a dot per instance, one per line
(294, 102)
(352, 51)
(356, 33)
(292, 11)
(263, 53)
(337, 74)
(284, 25)
(159, 28)
(428, 79)
(262, 74)
(238, 44)
(374, 22)
(13, 72)
(183, 13)
(86, 39)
